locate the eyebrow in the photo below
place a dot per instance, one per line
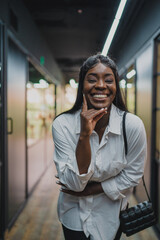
(95, 74)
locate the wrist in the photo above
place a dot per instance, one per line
(84, 136)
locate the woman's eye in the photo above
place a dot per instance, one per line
(108, 80)
(91, 80)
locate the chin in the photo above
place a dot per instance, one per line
(100, 106)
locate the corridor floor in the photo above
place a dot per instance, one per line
(39, 221)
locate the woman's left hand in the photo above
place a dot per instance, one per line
(91, 188)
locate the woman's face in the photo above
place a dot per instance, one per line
(99, 87)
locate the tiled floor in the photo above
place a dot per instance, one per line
(39, 221)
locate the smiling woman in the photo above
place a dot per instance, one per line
(94, 173)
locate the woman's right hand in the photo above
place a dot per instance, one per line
(89, 118)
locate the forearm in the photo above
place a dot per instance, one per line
(94, 188)
(91, 188)
(83, 154)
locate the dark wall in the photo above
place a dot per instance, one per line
(29, 38)
(145, 25)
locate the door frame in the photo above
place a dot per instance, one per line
(154, 164)
(3, 130)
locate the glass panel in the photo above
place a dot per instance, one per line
(131, 97)
(49, 108)
(158, 92)
(158, 135)
(131, 89)
(70, 96)
(66, 96)
(158, 58)
(59, 99)
(35, 114)
(122, 84)
(40, 106)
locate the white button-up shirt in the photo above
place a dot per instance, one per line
(98, 215)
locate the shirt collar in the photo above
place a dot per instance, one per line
(115, 119)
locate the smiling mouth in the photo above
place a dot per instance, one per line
(100, 95)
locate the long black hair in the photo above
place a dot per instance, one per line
(88, 64)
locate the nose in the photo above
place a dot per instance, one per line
(100, 84)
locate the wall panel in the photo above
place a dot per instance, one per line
(144, 103)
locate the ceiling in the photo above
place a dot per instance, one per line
(76, 29)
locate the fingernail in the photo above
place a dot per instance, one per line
(106, 108)
(57, 182)
(102, 108)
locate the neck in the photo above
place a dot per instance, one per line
(102, 123)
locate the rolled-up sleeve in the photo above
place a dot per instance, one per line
(130, 176)
(66, 162)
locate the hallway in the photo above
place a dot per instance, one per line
(39, 221)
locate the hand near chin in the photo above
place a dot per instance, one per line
(89, 118)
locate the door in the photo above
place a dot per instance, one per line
(16, 83)
(156, 132)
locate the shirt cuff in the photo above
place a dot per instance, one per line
(110, 189)
(82, 177)
(86, 176)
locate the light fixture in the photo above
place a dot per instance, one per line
(122, 83)
(29, 85)
(79, 11)
(73, 83)
(131, 74)
(129, 85)
(114, 27)
(42, 84)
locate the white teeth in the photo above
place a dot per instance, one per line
(99, 96)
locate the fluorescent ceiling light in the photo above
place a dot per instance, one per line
(131, 74)
(114, 27)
